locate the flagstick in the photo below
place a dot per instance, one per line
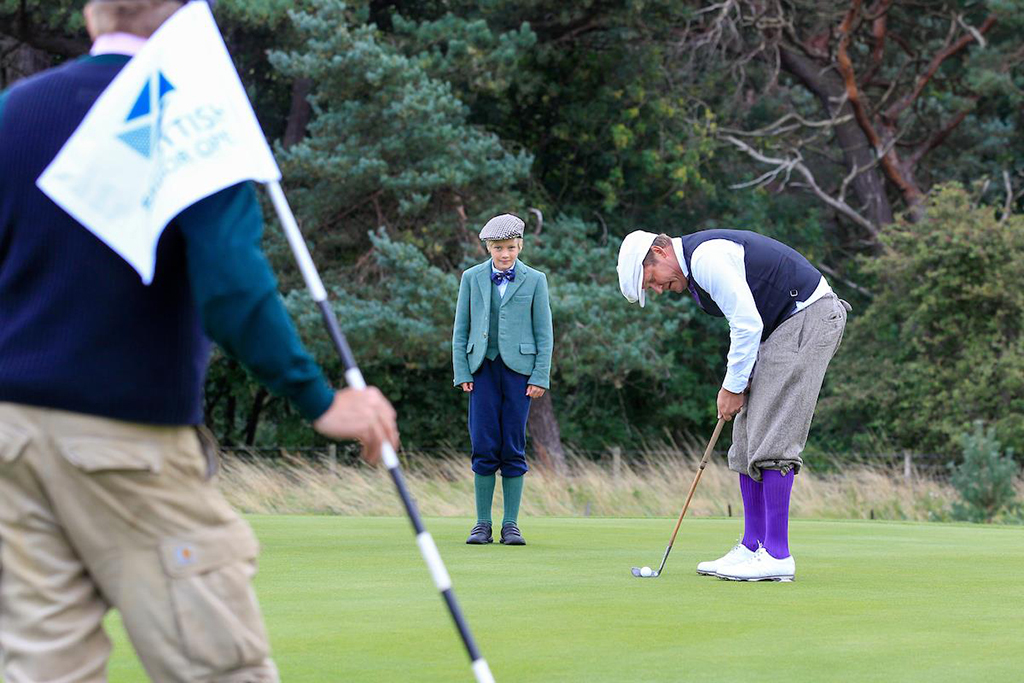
(354, 378)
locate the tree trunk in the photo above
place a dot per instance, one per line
(300, 112)
(20, 62)
(229, 419)
(253, 422)
(546, 435)
(857, 150)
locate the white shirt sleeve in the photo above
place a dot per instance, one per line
(717, 266)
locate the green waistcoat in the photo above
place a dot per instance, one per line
(492, 336)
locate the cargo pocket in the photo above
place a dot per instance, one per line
(130, 476)
(97, 454)
(215, 607)
(12, 443)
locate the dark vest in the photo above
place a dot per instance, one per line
(778, 276)
(494, 325)
(78, 329)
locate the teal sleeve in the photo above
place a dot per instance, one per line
(237, 299)
(543, 334)
(460, 335)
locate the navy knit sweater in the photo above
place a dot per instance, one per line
(78, 329)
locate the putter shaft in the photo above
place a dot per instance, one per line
(689, 495)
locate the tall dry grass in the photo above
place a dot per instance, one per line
(656, 486)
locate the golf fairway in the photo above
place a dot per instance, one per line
(349, 599)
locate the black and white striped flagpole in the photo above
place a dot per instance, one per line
(354, 378)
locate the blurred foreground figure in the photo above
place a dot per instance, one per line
(106, 498)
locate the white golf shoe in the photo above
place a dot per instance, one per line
(739, 553)
(760, 567)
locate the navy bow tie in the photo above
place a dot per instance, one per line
(502, 275)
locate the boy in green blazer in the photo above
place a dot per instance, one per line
(501, 354)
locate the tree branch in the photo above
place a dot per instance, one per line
(777, 127)
(978, 36)
(939, 136)
(890, 164)
(856, 171)
(539, 215)
(878, 31)
(796, 163)
(1008, 205)
(850, 79)
(942, 55)
(849, 283)
(828, 86)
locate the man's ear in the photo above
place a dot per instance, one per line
(660, 251)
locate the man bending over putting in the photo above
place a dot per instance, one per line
(785, 324)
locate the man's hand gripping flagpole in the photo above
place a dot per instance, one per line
(354, 378)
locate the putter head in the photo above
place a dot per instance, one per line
(636, 572)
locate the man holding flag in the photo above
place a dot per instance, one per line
(139, 242)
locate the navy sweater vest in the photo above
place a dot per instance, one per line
(778, 276)
(78, 329)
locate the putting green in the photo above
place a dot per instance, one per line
(349, 599)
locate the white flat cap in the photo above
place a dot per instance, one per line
(631, 265)
(503, 227)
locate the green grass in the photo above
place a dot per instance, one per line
(348, 599)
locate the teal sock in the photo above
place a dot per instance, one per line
(512, 488)
(484, 495)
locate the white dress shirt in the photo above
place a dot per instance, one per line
(719, 269)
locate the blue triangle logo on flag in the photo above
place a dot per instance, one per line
(142, 138)
(139, 139)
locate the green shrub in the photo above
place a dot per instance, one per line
(984, 479)
(942, 343)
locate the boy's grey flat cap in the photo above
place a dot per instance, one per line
(503, 227)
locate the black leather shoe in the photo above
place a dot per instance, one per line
(481, 534)
(510, 535)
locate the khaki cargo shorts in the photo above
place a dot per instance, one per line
(98, 513)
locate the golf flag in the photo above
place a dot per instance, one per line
(173, 127)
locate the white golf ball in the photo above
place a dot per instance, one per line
(645, 571)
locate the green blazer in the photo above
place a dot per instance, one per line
(525, 339)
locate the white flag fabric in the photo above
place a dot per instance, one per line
(174, 126)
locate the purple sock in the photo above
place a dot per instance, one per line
(777, 488)
(753, 512)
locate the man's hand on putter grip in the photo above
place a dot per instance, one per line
(362, 414)
(729, 404)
